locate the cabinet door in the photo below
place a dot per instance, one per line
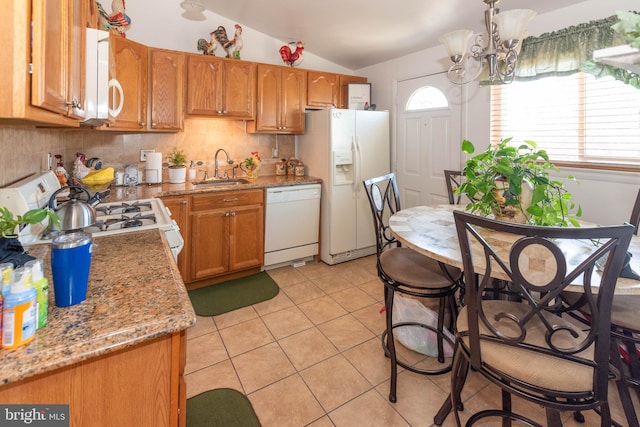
(294, 86)
(178, 206)
(238, 95)
(209, 243)
(322, 89)
(57, 56)
(204, 79)
(344, 81)
(246, 237)
(268, 98)
(166, 73)
(130, 70)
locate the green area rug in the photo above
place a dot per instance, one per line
(222, 407)
(233, 294)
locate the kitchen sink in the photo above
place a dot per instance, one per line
(222, 181)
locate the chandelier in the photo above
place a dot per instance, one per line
(499, 54)
(193, 10)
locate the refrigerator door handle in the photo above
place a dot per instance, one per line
(356, 165)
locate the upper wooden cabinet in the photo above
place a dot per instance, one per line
(344, 81)
(43, 77)
(219, 87)
(166, 76)
(280, 100)
(322, 89)
(127, 84)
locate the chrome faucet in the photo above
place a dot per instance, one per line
(229, 161)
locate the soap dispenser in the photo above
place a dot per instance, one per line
(192, 170)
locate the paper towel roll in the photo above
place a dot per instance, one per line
(153, 170)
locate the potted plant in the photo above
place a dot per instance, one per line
(513, 183)
(8, 223)
(177, 166)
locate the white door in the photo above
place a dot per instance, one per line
(428, 138)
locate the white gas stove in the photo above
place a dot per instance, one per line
(111, 217)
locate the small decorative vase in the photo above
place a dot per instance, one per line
(512, 213)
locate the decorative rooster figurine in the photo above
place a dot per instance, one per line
(208, 47)
(292, 58)
(232, 47)
(118, 21)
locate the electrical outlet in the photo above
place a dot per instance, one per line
(143, 154)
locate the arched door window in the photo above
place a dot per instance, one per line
(426, 98)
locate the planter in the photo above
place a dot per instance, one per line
(510, 212)
(177, 174)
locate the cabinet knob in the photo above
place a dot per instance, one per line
(73, 103)
(153, 125)
(142, 124)
(226, 214)
(233, 214)
(184, 202)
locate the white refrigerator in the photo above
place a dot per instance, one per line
(344, 147)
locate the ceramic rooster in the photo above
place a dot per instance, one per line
(118, 21)
(208, 47)
(292, 58)
(232, 47)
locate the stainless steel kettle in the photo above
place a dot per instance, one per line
(75, 213)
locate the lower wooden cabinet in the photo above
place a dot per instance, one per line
(179, 208)
(140, 386)
(226, 233)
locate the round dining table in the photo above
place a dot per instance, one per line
(431, 230)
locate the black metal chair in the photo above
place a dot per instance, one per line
(531, 349)
(406, 271)
(453, 180)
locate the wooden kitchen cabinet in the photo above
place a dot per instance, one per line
(226, 233)
(344, 81)
(179, 208)
(280, 100)
(219, 87)
(43, 77)
(322, 89)
(140, 386)
(166, 77)
(128, 65)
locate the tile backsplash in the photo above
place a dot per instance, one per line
(25, 148)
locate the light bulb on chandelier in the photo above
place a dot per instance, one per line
(193, 10)
(499, 54)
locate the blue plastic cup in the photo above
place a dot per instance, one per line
(70, 265)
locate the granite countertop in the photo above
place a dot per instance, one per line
(135, 294)
(148, 191)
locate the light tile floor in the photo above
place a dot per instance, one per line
(312, 356)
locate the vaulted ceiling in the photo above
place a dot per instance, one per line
(359, 33)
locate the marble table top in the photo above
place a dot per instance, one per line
(431, 230)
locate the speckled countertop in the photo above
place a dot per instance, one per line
(148, 191)
(135, 294)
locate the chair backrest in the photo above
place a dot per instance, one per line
(635, 213)
(384, 200)
(452, 180)
(541, 262)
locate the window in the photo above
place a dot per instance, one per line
(580, 120)
(426, 98)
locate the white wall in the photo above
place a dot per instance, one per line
(164, 27)
(605, 197)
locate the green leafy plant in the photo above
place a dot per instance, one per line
(8, 223)
(524, 165)
(628, 27)
(177, 158)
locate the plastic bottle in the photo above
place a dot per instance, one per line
(192, 170)
(41, 285)
(6, 269)
(19, 313)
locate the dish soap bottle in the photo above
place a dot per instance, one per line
(192, 170)
(41, 285)
(19, 313)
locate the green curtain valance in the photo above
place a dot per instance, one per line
(564, 51)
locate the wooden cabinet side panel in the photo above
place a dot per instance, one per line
(166, 74)
(239, 93)
(203, 85)
(246, 237)
(209, 243)
(322, 89)
(294, 86)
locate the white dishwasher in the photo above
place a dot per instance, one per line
(292, 223)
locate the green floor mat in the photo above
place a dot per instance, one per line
(222, 407)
